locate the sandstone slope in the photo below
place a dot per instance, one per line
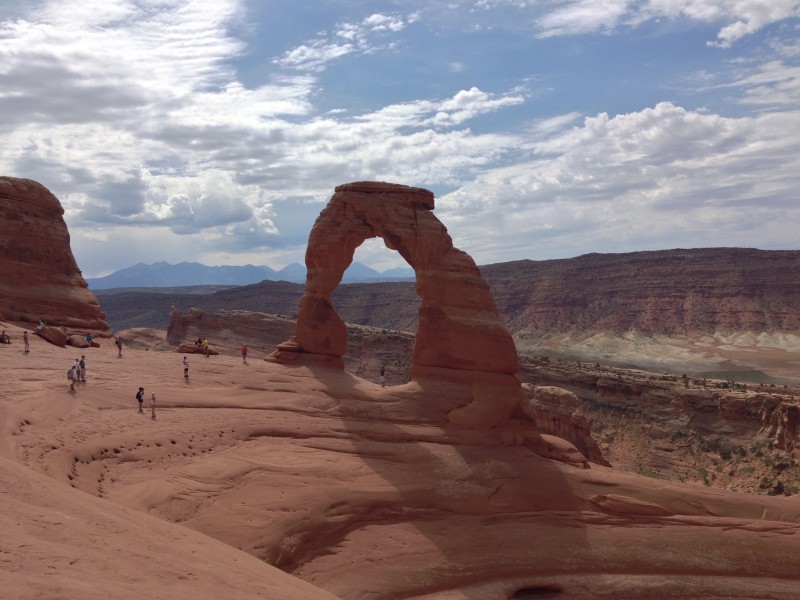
(355, 489)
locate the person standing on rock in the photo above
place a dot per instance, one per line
(383, 376)
(26, 342)
(244, 353)
(82, 364)
(140, 398)
(118, 342)
(153, 405)
(185, 368)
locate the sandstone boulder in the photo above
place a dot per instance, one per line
(54, 335)
(195, 349)
(40, 278)
(78, 341)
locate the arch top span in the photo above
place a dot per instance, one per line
(413, 195)
(459, 327)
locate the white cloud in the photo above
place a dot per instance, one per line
(771, 84)
(583, 16)
(134, 114)
(635, 181)
(348, 38)
(110, 100)
(315, 55)
(740, 17)
(463, 106)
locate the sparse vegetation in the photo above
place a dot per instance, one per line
(702, 472)
(628, 423)
(648, 472)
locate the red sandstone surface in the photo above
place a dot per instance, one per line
(352, 490)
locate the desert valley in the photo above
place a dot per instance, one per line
(612, 426)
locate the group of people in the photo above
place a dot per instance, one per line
(203, 343)
(77, 372)
(140, 400)
(6, 339)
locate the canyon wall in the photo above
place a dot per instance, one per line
(671, 292)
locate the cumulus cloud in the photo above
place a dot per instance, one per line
(634, 181)
(136, 115)
(99, 93)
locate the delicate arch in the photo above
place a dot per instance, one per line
(459, 334)
(459, 327)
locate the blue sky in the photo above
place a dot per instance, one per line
(216, 130)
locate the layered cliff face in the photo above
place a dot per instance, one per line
(40, 278)
(671, 292)
(724, 434)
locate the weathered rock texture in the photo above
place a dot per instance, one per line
(661, 292)
(558, 412)
(226, 331)
(40, 278)
(459, 335)
(346, 487)
(724, 434)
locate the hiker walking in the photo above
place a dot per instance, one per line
(383, 376)
(140, 398)
(71, 377)
(118, 342)
(205, 347)
(26, 341)
(185, 368)
(244, 353)
(82, 364)
(153, 405)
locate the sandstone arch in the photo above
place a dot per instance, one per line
(460, 336)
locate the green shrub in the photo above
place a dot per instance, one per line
(648, 472)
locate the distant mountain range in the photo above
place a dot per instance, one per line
(162, 274)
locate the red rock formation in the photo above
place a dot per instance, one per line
(788, 427)
(228, 330)
(459, 331)
(41, 279)
(666, 291)
(54, 335)
(558, 412)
